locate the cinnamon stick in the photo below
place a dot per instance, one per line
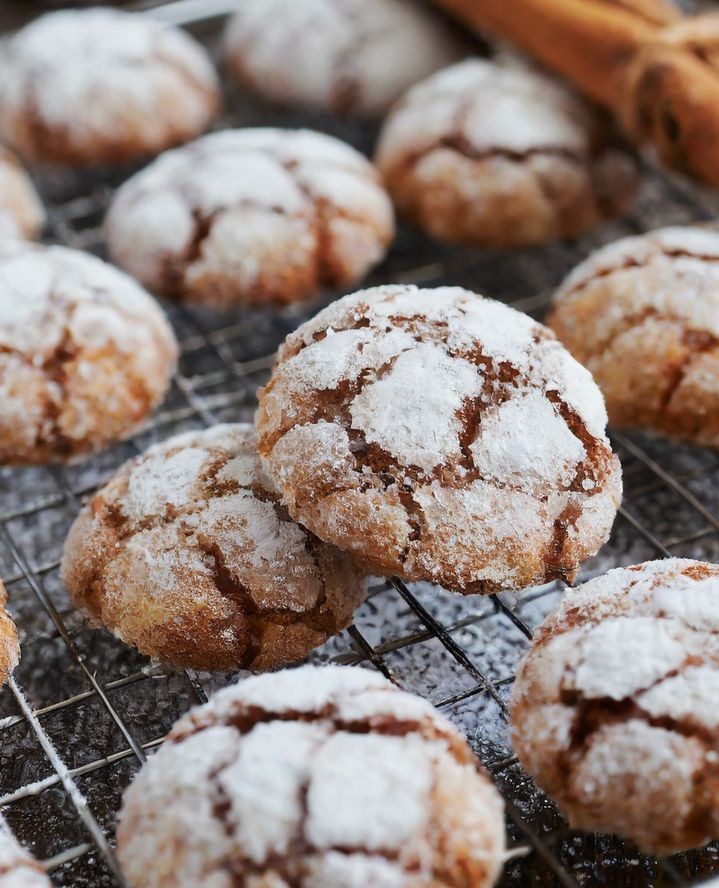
(657, 70)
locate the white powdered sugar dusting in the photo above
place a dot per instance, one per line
(283, 784)
(634, 658)
(402, 400)
(357, 55)
(94, 74)
(17, 868)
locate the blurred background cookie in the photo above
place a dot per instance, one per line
(438, 435)
(21, 213)
(18, 869)
(318, 776)
(347, 56)
(189, 555)
(9, 652)
(250, 217)
(97, 87)
(493, 153)
(85, 353)
(614, 707)
(643, 315)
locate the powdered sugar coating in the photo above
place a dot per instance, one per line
(99, 86)
(18, 869)
(251, 216)
(642, 314)
(494, 153)
(9, 648)
(395, 424)
(353, 56)
(316, 777)
(21, 213)
(85, 353)
(614, 707)
(189, 555)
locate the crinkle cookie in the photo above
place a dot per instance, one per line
(9, 652)
(614, 708)
(85, 354)
(251, 216)
(440, 436)
(317, 777)
(21, 213)
(492, 153)
(99, 86)
(18, 869)
(347, 56)
(189, 555)
(643, 315)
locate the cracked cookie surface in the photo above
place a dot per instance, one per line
(614, 708)
(18, 869)
(493, 153)
(9, 645)
(21, 213)
(98, 87)
(85, 353)
(251, 216)
(312, 778)
(438, 435)
(346, 56)
(642, 314)
(189, 555)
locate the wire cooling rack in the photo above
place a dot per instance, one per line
(83, 710)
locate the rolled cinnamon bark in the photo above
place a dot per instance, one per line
(658, 71)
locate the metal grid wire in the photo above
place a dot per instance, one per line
(83, 710)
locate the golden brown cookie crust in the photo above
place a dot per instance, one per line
(614, 707)
(189, 555)
(21, 213)
(642, 314)
(99, 87)
(492, 153)
(85, 354)
(247, 217)
(398, 425)
(9, 644)
(361, 784)
(18, 869)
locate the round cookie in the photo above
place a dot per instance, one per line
(441, 436)
(189, 555)
(491, 153)
(643, 315)
(18, 869)
(92, 87)
(614, 708)
(251, 216)
(9, 646)
(85, 354)
(346, 56)
(314, 777)
(21, 213)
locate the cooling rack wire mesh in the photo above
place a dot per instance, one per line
(83, 710)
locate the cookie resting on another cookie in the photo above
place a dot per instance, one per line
(642, 314)
(346, 56)
(85, 354)
(614, 710)
(189, 555)
(251, 216)
(95, 87)
(496, 154)
(441, 436)
(315, 777)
